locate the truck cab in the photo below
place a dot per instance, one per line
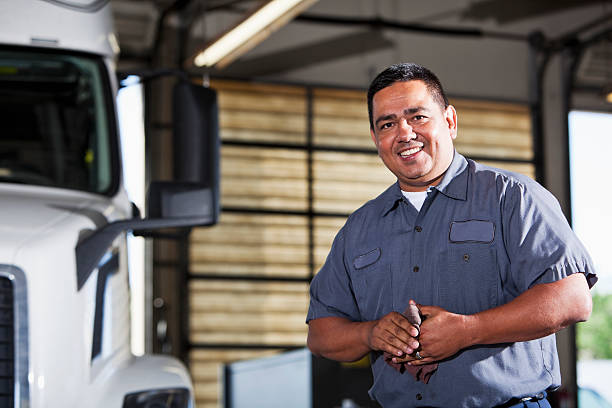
(64, 287)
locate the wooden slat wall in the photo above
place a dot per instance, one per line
(345, 181)
(261, 113)
(341, 119)
(251, 241)
(493, 129)
(264, 178)
(252, 245)
(206, 366)
(248, 312)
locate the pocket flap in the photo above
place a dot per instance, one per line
(472, 231)
(366, 259)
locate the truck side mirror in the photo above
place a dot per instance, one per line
(195, 189)
(192, 199)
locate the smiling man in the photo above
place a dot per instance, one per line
(486, 254)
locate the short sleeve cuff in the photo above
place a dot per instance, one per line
(563, 270)
(318, 310)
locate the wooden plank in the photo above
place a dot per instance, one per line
(264, 203)
(245, 167)
(262, 219)
(485, 119)
(250, 303)
(261, 153)
(265, 338)
(348, 191)
(342, 126)
(353, 108)
(360, 141)
(208, 404)
(207, 391)
(337, 93)
(348, 157)
(277, 122)
(527, 169)
(337, 206)
(254, 254)
(228, 355)
(375, 175)
(262, 136)
(249, 286)
(270, 322)
(261, 102)
(251, 235)
(278, 187)
(495, 137)
(205, 371)
(493, 151)
(229, 268)
(329, 222)
(484, 105)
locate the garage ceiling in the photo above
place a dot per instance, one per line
(345, 42)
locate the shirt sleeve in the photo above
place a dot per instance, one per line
(331, 293)
(540, 244)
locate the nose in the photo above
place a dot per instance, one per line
(405, 131)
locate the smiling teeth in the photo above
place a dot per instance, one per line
(409, 152)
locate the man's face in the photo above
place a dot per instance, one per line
(413, 134)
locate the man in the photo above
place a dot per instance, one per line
(486, 254)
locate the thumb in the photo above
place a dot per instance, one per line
(427, 310)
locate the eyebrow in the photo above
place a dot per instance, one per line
(409, 111)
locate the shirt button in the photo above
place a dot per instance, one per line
(419, 397)
(418, 229)
(415, 269)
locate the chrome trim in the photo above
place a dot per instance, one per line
(20, 332)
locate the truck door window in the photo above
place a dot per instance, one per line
(55, 121)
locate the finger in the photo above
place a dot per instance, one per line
(412, 360)
(409, 328)
(425, 360)
(396, 338)
(400, 326)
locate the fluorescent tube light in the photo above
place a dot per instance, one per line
(256, 27)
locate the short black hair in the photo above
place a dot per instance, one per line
(404, 72)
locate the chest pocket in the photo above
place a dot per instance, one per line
(371, 279)
(469, 278)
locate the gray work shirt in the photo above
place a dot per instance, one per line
(482, 237)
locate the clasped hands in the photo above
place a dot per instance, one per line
(441, 335)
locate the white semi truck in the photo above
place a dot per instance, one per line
(64, 292)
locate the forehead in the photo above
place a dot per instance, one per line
(404, 95)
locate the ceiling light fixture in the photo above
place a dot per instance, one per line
(255, 28)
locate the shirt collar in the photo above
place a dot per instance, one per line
(453, 185)
(454, 182)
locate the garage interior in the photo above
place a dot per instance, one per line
(297, 158)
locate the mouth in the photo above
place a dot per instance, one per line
(408, 153)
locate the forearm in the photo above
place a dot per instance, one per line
(542, 310)
(339, 339)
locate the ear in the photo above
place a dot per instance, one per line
(450, 114)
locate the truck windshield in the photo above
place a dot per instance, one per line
(54, 121)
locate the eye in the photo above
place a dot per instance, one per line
(386, 125)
